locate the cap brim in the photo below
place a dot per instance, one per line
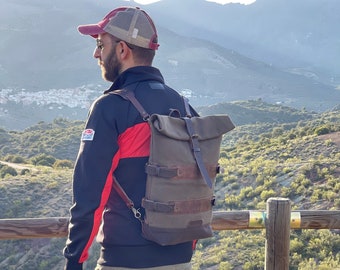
(91, 29)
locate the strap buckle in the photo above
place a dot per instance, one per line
(136, 213)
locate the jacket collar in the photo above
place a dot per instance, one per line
(136, 74)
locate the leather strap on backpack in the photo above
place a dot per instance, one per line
(129, 203)
(129, 95)
(195, 144)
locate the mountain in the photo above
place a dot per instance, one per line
(278, 51)
(284, 33)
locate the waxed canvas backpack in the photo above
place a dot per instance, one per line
(181, 171)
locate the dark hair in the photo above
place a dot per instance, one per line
(141, 55)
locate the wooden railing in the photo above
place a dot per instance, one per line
(278, 220)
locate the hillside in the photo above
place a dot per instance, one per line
(60, 138)
(299, 160)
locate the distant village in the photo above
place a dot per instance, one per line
(79, 97)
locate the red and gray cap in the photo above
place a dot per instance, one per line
(129, 24)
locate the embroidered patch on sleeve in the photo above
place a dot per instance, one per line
(87, 135)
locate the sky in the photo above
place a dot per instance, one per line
(245, 2)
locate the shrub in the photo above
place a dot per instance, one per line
(14, 159)
(296, 245)
(43, 160)
(266, 194)
(24, 171)
(322, 130)
(225, 266)
(232, 201)
(7, 170)
(63, 164)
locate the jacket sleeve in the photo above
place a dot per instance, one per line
(92, 180)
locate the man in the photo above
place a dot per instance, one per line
(115, 143)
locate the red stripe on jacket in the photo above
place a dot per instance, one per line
(135, 141)
(99, 211)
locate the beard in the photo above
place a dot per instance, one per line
(111, 67)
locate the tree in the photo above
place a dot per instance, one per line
(7, 170)
(63, 164)
(43, 160)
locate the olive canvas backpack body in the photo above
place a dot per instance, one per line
(181, 172)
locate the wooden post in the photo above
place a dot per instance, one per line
(277, 234)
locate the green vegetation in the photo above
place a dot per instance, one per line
(294, 163)
(59, 139)
(256, 111)
(296, 157)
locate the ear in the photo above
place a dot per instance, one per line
(123, 51)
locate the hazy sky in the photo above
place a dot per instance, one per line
(246, 2)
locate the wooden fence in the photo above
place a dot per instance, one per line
(278, 220)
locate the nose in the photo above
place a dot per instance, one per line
(96, 53)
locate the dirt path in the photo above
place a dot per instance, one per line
(17, 166)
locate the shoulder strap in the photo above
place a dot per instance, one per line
(195, 144)
(187, 107)
(129, 95)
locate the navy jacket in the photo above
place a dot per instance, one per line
(116, 142)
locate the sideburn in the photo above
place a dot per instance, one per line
(112, 67)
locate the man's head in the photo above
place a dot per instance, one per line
(126, 37)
